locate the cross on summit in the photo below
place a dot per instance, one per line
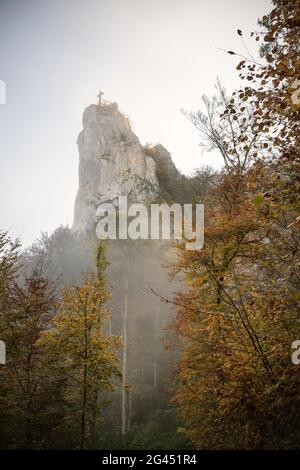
(99, 96)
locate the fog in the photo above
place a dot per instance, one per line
(153, 58)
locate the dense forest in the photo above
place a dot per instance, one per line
(147, 345)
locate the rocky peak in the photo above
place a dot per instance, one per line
(171, 181)
(112, 162)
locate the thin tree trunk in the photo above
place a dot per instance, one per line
(124, 365)
(83, 409)
(156, 352)
(94, 420)
(130, 410)
(155, 373)
(84, 383)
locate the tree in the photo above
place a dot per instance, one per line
(65, 255)
(236, 385)
(9, 263)
(84, 354)
(30, 397)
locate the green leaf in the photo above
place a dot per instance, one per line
(258, 200)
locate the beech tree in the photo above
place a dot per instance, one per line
(84, 354)
(30, 397)
(236, 384)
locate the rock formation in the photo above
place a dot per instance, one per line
(112, 162)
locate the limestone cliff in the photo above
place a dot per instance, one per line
(171, 181)
(112, 162)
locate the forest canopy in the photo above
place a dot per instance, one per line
(132, 344)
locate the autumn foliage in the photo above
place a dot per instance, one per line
(236, 386)
(60, 363)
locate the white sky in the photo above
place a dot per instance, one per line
(151, 56)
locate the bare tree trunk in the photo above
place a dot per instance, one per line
(130, 410)
(94, 420)
(156, 352)
(83, 409)
(155, 373)
(124, 365)
(84, 386)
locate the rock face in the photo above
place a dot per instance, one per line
(112, 162)
(169, 178)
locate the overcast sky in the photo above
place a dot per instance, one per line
(151, 56)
